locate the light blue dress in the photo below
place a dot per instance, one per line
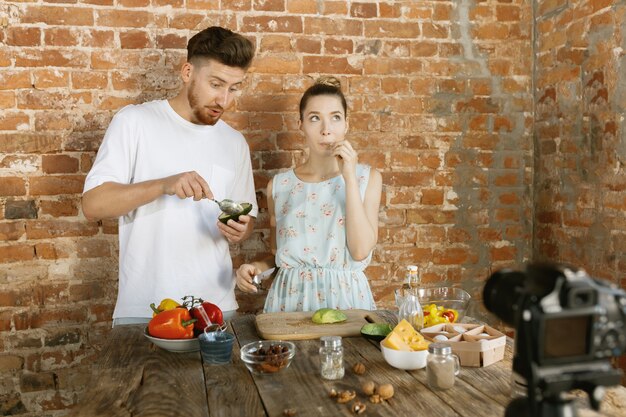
(316, 269)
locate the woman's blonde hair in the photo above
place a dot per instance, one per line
(325, 85)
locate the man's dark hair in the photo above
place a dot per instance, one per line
(223, 45)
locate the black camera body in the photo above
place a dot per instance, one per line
(568, 327)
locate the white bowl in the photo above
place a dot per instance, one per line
(403, 359)
(175, 345)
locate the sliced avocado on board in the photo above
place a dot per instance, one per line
(328, 315)
(224, 218)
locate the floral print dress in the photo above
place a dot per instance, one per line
(315, 266)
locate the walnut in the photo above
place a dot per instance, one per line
(358, 407)
(376, 399)
(385, 391)
(368, 387)
(345, 396)
(289, 412)
(359, 368)
(333, 393)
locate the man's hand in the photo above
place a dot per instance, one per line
(239, 231)
(187, 184)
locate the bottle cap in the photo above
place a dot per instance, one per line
(331, 341)
(440, 348)
(412, 268)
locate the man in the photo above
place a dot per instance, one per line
(159, 164)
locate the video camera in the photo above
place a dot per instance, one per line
(568, 327)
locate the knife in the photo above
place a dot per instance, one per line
(257, 279)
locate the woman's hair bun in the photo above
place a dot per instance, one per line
(329, 80)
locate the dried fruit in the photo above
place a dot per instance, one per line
(368, 387)
(358, 407)
(345, 396)
(359, 368)
(333, 393)
(385, 391)
(289, 412)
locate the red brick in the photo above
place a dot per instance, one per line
(13, 120)
(430, 216)
(23, 36)
(89, 80)
(308, 46)
(123, 18)
(435, 31)
(171, 41)
(453, 256)
(45, 78)
(50, 251)
(59, 37)
(272, 24)
(363, 10)
(46, 229)
(10, 186)
(135, 39)
(181, 20)
(53, 185)
(392, 11)
(391, 29)
(335, 7)
(228, 4)
(325, 26)
(58, 16)
(338, 46)
(504, 253)
(396, 66)
(125, 81)
(432, 197)
(273, 64)
(52, 58)
(324, 64)
(7, 99)
(269, 5)
(93, 248)
(56, 164)
(301, 7)
(16, 252)
(63, 207)
(11, 230)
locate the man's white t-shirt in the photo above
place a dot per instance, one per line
(170, 247)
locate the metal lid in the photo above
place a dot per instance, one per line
(331, 341)
(440, 348)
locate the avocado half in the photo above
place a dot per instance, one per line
(224, 218)
(328, 315)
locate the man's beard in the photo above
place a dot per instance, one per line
(200, 113)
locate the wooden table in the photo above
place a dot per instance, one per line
(135, 378)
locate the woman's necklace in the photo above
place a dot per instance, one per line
(329, 175)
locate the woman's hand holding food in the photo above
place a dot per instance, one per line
(347, 157)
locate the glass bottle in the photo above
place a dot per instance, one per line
(331, 357)
(411, 311)
(442, 366)
(411, 279)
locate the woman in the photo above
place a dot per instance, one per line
(323, 216)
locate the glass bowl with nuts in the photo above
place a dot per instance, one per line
(267, 356)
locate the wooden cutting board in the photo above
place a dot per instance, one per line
(298, 325)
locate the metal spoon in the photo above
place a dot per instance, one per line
(229, 206)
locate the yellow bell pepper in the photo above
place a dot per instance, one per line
(166, 304)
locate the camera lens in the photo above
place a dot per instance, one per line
(501, 293)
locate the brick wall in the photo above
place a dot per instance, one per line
(580, 136)
(440, 96)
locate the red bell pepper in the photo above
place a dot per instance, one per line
(172, 324)
(213, 312)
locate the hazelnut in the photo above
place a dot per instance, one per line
(333, 393)
(358, 407)
(376, 399)
(345, 396)
(359, 368)
(368, 387)
(385, 391)
(289, 412)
